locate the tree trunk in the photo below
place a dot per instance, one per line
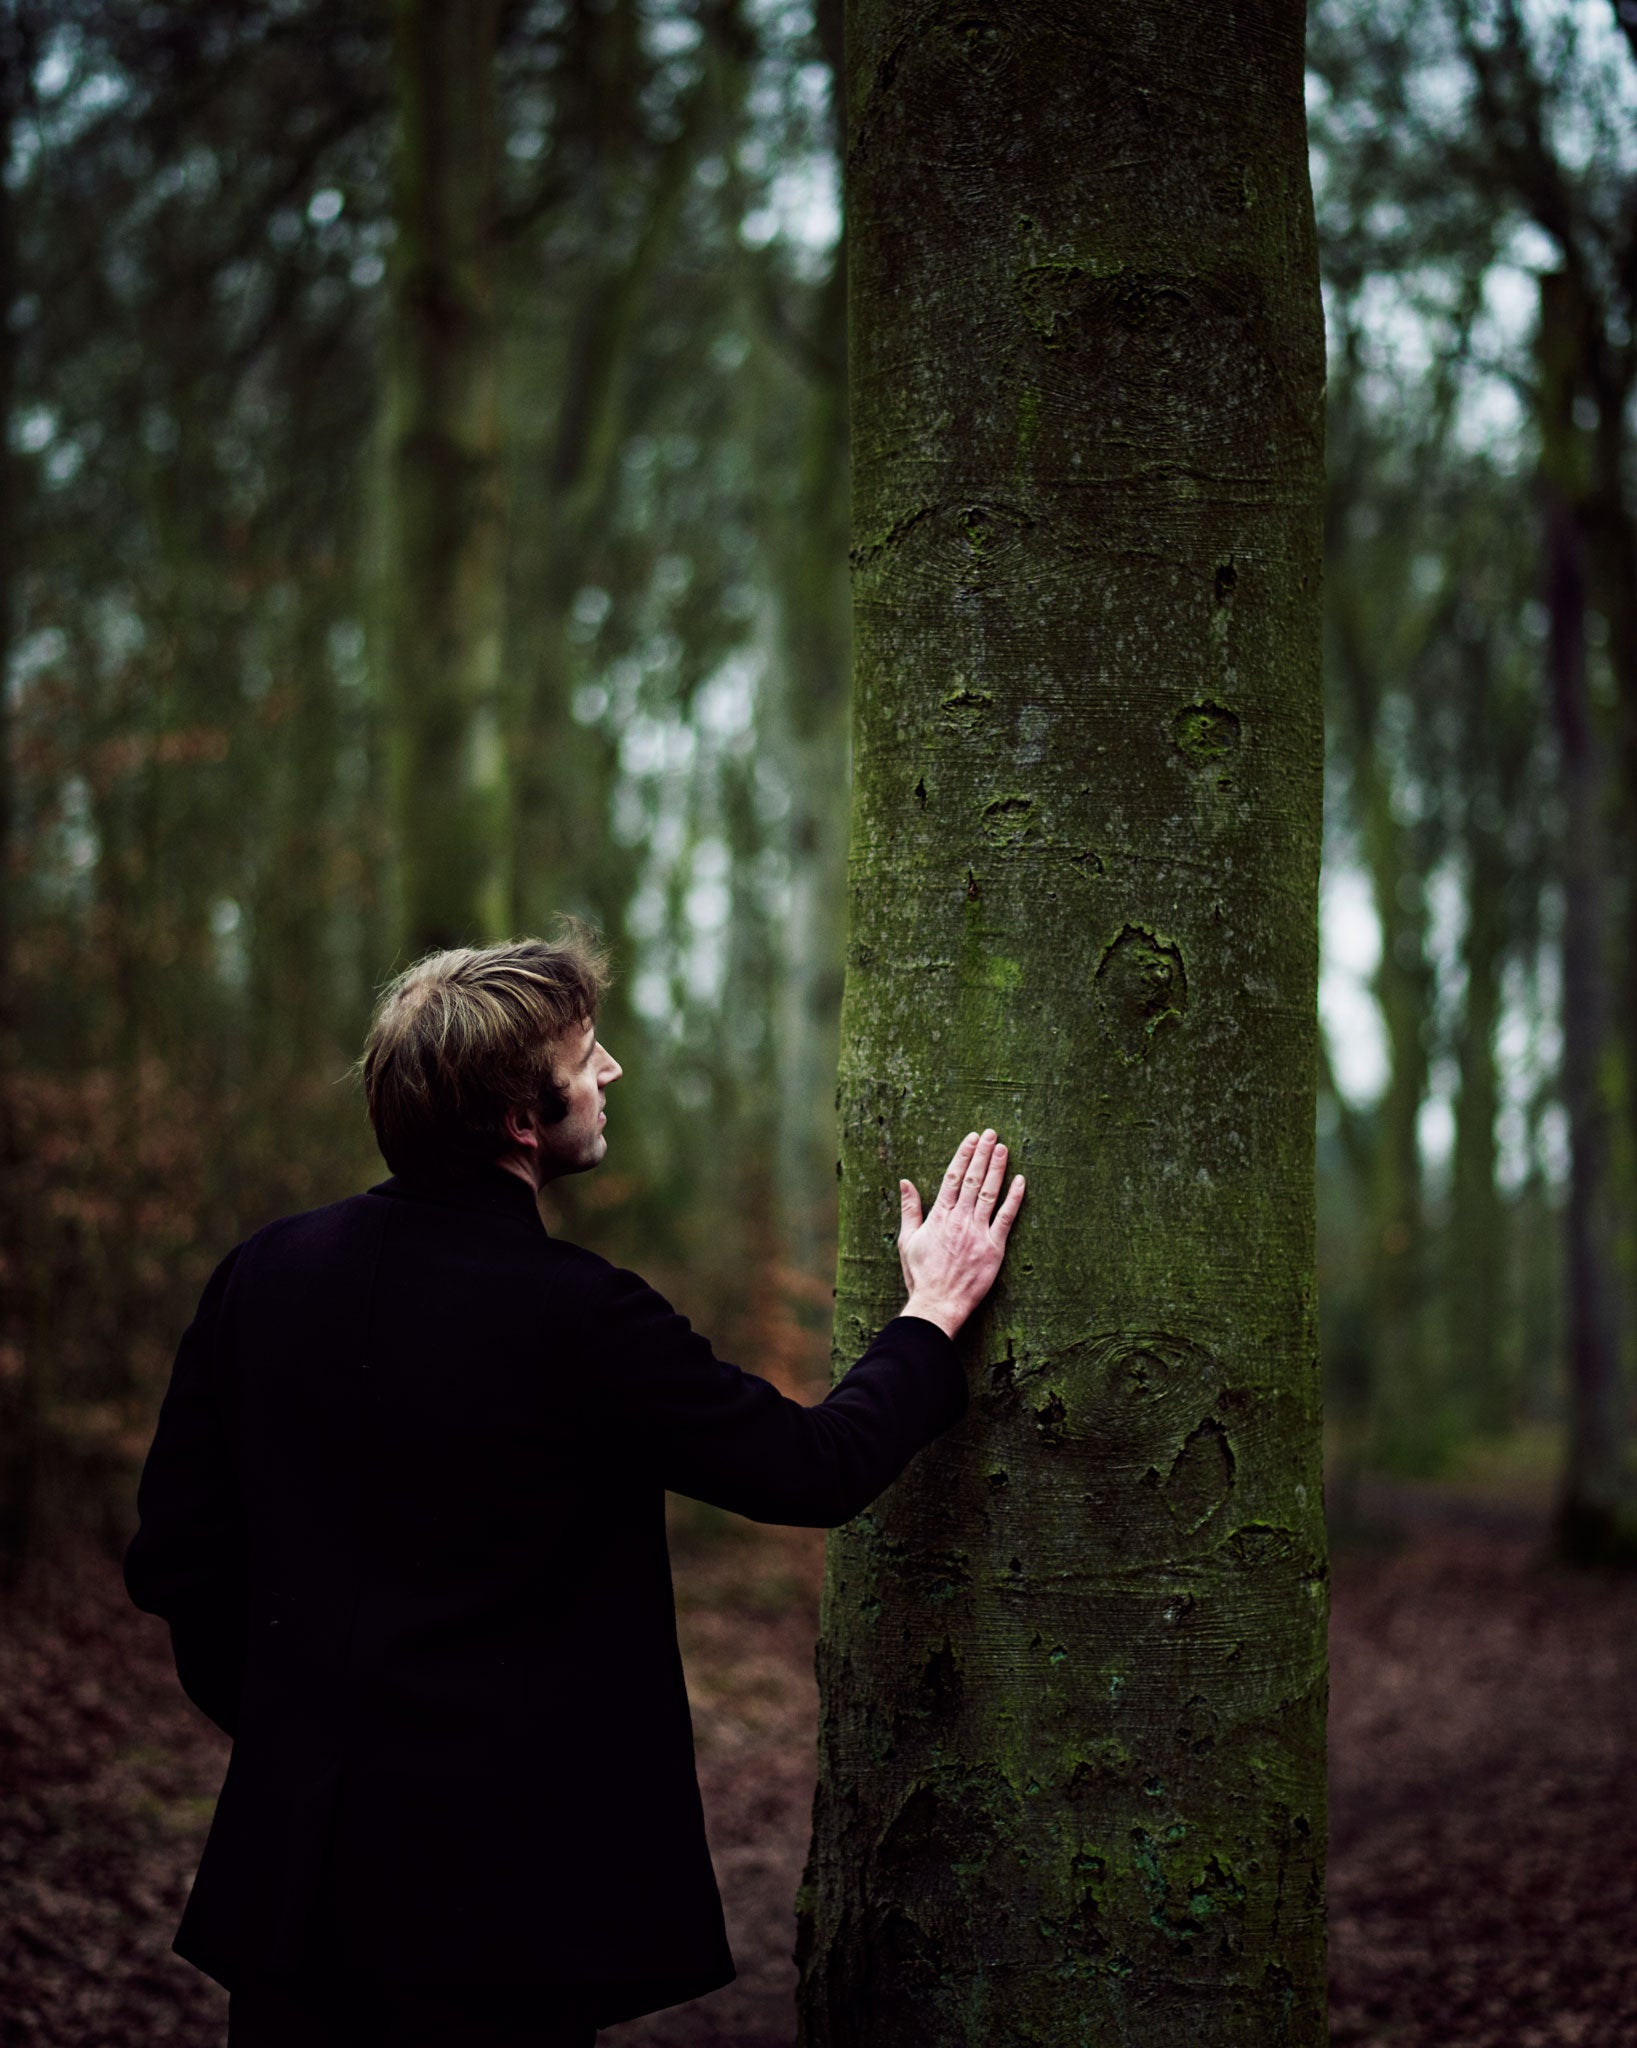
(1500, 723)
(1612, 566)
(1590, 1525)
(1072, 1667)
(19, 1381)
(1396, 1401)
(445, 530)
(1476, 1229)
(812, 735)
(562, 772)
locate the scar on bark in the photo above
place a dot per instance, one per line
(1105, 1760)
(1050, 1418)
(1255, 1545)
(1198, 1727)
(867, 551)
(1139, 985)
(965, 708)
(1205, 732)
(940, 1688)
(1008, 820)
(1201, 1475)
(978, 37)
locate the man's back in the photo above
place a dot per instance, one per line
(405, 1514)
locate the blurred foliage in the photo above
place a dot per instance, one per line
(1471, 159)
(202, 886)
(204, 277)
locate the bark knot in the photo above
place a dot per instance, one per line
(1140, 984)
(1205, 732)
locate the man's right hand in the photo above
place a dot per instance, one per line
(951, 1255)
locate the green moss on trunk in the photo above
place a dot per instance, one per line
(1072, 1666)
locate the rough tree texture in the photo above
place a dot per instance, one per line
(1072, 1665)
(444, 526)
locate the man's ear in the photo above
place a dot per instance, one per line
(520, 1131)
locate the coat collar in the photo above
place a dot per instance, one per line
(490, 1188)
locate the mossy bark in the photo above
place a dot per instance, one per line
(444, 525)
(1072, 1665)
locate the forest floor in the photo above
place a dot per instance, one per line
(1484, 1793)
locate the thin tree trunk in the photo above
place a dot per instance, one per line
(813, 739)
(445, 530)
(1589, 1512)
(1476, 1230)
(1072, 1666)
(1612, 562)
(1498, 731)
(19, 1379)
(562, 772)
(1537, 1250)
(1397, 1400)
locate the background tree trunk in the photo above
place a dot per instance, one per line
(444, 528)
(1477, 1261)
(1500, 716)
(1072, 1667)
(19, 1377)
(1589, 1511)
(812, 732)
(562, 772)
(1398, 1394)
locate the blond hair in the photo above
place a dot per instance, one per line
(462, 1037)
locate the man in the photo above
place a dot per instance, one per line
(404, 1514)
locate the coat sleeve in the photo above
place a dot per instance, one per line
(188, 1559)
(708, 1430)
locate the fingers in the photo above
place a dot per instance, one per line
(1006, 1214)
(909, 1204)
(977, 1169)
(993, 1180)
(953, 1179)
(974, 1181)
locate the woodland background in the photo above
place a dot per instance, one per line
(204, 801)
(202, 827)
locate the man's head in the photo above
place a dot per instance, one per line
(489, 1056)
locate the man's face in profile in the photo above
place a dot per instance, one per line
(583, 1071)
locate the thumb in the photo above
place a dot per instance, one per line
(909, 1202)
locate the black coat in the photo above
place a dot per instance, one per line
(404, 1513)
